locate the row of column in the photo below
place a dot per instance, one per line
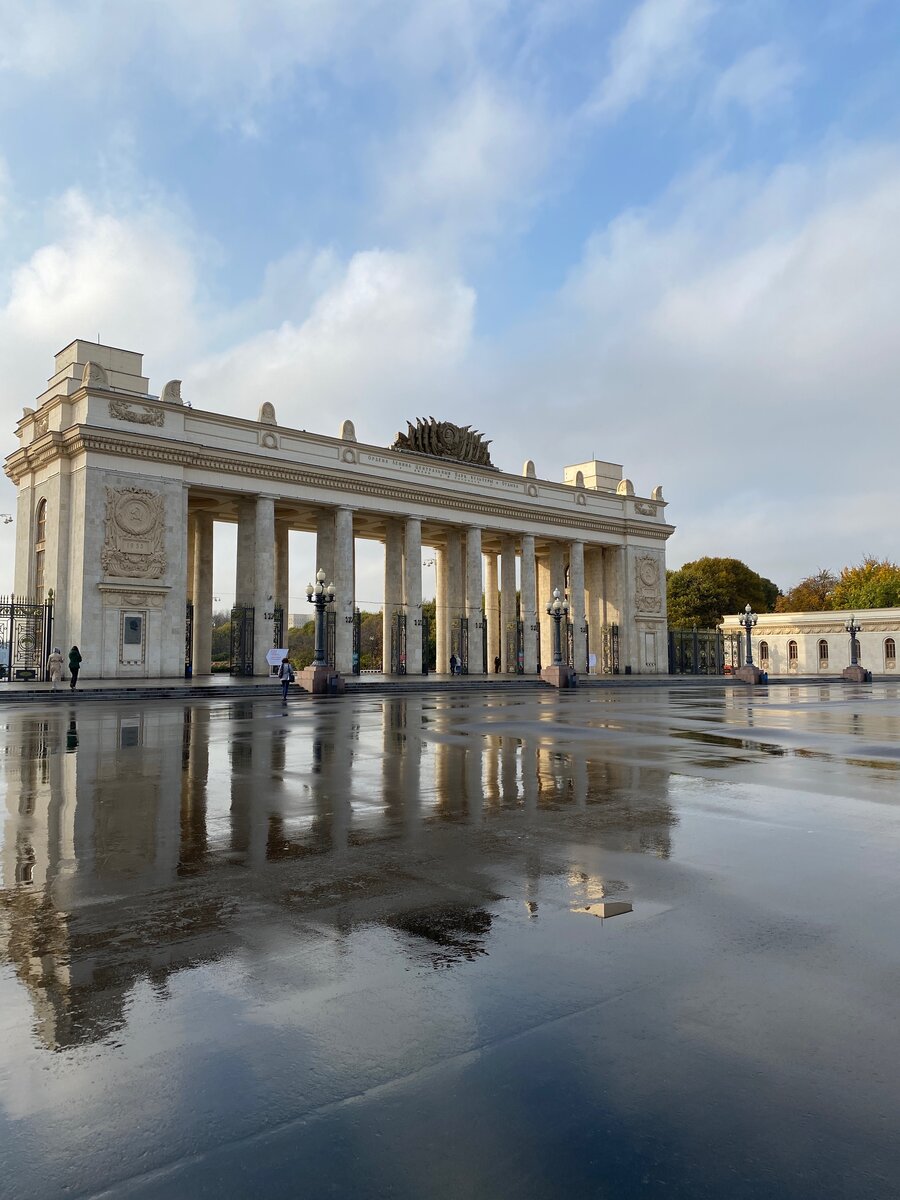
(468, 577)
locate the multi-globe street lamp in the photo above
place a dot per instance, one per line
(853, 627)
(557, 608)
(320, 596)
(748, 620)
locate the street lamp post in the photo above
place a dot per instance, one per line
(320, 595)
(557, 608)
(853, 627)
(748, 620)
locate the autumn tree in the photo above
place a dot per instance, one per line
(873, 583)
(702, 592)
(813, 594)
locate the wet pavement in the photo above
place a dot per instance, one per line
(350, 948)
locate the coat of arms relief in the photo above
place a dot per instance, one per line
(135, 530)
(647, 594)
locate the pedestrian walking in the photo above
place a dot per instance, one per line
(55, 667)
(74, 666)
(497, 665)
(452, 664)
(286, 675)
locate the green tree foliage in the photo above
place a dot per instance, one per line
(702, 592)
(429, 613)
(873, 583)
(813, 594)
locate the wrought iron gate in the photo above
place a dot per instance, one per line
(188, 639)
(569, 654)
(484, 641)
(459, 643)
(515, 647)
(330, 637)
(697, 652)
(357, 640)
(26, 633)
(427, 662)
(398, 645)
(241, 660)
(609, 649)
(278, 628)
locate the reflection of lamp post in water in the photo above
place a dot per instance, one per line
(556, 610)
(748, 620)
(320, 596)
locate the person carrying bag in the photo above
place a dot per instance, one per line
(286, 675)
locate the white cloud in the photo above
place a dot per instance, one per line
(382, 336)
(657, 44)
(762, 79)
(737, 344)
(465, 171)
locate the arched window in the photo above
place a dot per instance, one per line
(890, 652)
(763, 652)
(792, 651)
(40, 535)
(823, 651)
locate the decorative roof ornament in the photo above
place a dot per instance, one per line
(441, 439)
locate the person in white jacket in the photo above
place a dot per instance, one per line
(55, 666)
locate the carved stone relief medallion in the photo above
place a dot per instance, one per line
(135, 529)
(647, 594)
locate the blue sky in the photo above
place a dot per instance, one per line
(667, 232)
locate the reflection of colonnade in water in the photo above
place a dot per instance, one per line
(127, 804)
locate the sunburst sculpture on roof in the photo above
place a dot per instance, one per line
(442, 439)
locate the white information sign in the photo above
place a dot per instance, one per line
(276, 657)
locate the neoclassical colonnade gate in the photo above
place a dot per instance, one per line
(119, 491)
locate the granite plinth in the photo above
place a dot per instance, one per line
(855, 674)
(559, 676)
(749, 674)
(321, 681)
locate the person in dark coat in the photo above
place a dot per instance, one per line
(497, 665)
(74, 666)
(452, 664)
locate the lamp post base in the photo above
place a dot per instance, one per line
(321, 681)
(855, 674)
(559, 676)
(749, 674)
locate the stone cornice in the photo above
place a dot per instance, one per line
(241, 464)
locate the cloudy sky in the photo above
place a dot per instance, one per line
(663, 232)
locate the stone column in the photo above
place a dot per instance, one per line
(529, 604)
(282, 570)
(576, 605)
(618, 608)
(593, 571)
(412, 594)
(544, 588)
(442, 612)
(264, 583)
(246, 549)
(344, 590)
(473, 601)
(492, 610)
(507, 602)
(201, 586)
(191, 535)
(393, 587)
(324, 546)
(456, 586)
